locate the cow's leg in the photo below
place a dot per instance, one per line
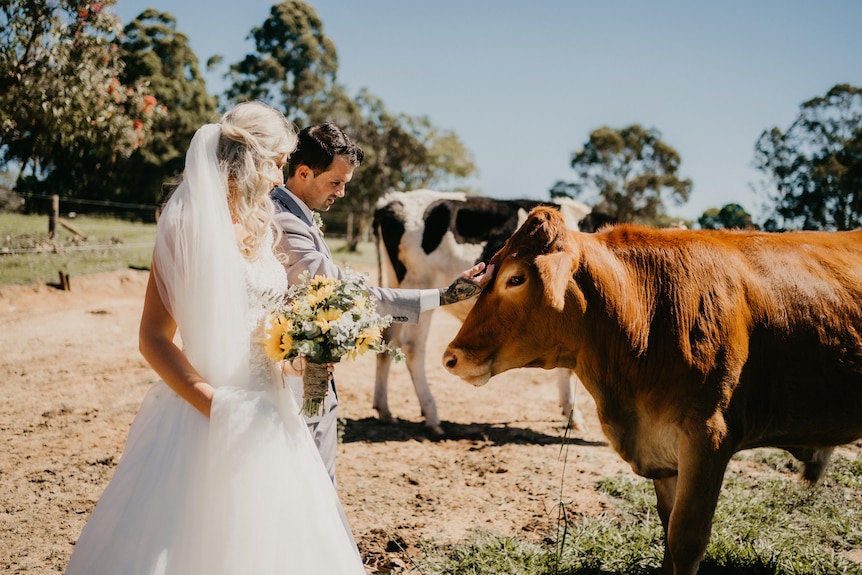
(567, 384)
(814, 461)
(665, 494)
(381, 379)
(701, 472)
(413, 341)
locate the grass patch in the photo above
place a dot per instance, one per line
(28, 256)
(364, 258)
(775, 525)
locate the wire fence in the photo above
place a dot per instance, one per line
(60, 249)
(48, 203)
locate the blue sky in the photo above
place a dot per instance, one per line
(524, 83)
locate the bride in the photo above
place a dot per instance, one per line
(219, 474)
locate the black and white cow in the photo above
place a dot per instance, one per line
(425, 239)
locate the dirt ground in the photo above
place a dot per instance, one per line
(71, 379)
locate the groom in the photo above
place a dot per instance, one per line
(318, 173)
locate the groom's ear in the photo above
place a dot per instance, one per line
(304, 173)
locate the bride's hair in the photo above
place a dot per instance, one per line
(254, 137)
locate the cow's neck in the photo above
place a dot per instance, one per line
(615, 367)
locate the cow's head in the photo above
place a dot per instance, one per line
(517, 320)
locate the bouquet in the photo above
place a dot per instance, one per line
(324, 320)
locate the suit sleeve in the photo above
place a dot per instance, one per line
(402, 304)
(299, 245)
(299, 248)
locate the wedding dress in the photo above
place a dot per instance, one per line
(243, 492)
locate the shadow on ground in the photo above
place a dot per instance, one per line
(371, 429)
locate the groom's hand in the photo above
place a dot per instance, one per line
(467, 285)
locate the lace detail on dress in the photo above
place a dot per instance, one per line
(266, 282)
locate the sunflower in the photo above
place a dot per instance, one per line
(327, 316)
(278, 339)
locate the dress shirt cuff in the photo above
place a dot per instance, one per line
(429, 299)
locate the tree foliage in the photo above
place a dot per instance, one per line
(293, 66)
(815, 166)
(63, 108)
(401, 153)
(157, 55)
(729, 216)
(630, 174)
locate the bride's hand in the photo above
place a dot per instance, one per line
(294, 366)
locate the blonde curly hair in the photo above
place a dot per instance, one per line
(254, 138)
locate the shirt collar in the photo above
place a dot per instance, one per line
(305, 209)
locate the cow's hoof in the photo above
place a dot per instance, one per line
(576, 422)
(435, 430)
(387, 418)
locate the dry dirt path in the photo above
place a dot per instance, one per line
(71, 379)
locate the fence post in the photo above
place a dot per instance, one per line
(64, 281)
(53, 215)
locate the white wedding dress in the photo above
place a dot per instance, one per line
(241, 493)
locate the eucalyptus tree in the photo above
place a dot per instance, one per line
(728, 216)
(62, 103)
(402, 153)
(815, 166)
(628, 173)
(293, 65)
(157, 54)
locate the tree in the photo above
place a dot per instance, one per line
(630, 173)
(63, 109)
(729, 216)
(294, 64)
(815, 167)
(157, 55)
(401, 153)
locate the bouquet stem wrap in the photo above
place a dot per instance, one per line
(315, 384)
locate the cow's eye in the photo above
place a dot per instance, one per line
(515, 280)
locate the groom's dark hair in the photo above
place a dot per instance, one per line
(319, 145)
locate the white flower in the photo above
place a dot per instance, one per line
(317, 221)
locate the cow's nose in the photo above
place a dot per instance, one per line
(450, 359)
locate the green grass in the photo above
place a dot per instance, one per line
(28, 256)
(766, 523)
(363, 259)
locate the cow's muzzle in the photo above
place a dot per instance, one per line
(457, 362)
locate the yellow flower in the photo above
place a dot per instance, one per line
(325, 317)
(273, 348)
(360, 304)
(278, 339)
(322, 280)
(370, 334)
(320, 294)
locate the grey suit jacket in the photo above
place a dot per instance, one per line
(306, 250)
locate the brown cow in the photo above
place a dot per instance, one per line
(694, 345)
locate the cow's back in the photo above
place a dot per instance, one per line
(767, 325)
(429, 237)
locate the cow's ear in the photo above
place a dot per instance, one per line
(555, 271)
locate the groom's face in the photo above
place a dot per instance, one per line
(323, 189)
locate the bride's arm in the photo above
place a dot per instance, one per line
(156, 342)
